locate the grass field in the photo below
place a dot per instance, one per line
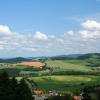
(65, 83)
(76, 62)
(59, 64)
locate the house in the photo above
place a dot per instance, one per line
(39, 91)
(76, 97)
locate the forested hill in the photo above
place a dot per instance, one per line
(14, 60)
(90, 59)
(93, 59)
(90, 55)
(77, 56)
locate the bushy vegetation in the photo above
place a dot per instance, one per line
(65, 97)
(92, 59)
(10, 89)
(14, 60)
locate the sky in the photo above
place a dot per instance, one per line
(31, 28)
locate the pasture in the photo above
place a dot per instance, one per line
(65, 83)
(59, 65)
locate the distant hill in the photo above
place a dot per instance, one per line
(61, 57)
(71, 55)
(93, 59)
(90, 55)
(14, 60)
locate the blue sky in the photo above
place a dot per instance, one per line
(49, 27)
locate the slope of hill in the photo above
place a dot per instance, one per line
(59, 65)
(93, 59)
(90, 55)
(61, 57)
(14, 60)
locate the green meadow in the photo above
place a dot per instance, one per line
(65, 83)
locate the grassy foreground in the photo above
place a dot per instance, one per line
(65, 83)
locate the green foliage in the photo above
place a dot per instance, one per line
(14, 60)
(93, 59)
(23, 90)
(10, 89)
(65, 97)
(93, 62)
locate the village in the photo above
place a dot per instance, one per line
(87, 93)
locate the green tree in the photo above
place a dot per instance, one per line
(10, 89)
(24, 93)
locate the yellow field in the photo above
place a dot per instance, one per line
(32, 64)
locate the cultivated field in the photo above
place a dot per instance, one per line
(23, 69)
(32, 64)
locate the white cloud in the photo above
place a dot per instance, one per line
(40, 36)
(70, 41)
(92, 29)
(5, 30)
(69, 33)
(52, 36)
(1, 47)
(91, 25)
(31, 49)
(89, 34)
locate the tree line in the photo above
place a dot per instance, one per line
(11, 89)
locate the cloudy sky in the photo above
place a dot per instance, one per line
(49, 27)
